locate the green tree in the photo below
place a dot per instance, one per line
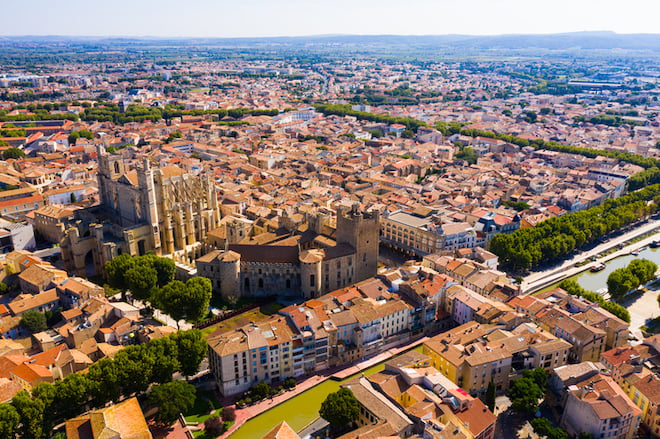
(340, 408)
(407, 134)
(33, 321)
(165, 353)
(490, 396)
(191, 350)
(71, 395)
(134, 367)
(105, 378)
(9, 420)
(643, 269)
(142, 280)
(540, 377)
(73, 197)
(467, 153)
(165, 268)
(116, 270)
(172, 399)
(31, 412)
(543, 427)
(620, 281)
(199, 291)
(260, 391)
(524, 394)
(12, 153)
(171, 300)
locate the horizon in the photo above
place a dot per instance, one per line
(305, 18)
(331, 35)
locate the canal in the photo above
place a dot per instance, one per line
(299, 410)
(595, 281)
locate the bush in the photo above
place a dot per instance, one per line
(290, 383)
(228, 414)
(214, 426)
(210, 405)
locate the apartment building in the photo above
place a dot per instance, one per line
(258, 352)
(418, 232)
(632, 368)
(598, 406)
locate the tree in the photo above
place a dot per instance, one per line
(104, 375)
(543, 427)
(170, 299)
(116, 270)
(620, 281)
(643, 269)
(260, 391)
(214, 426)
(71, 395)
(540, 377)
(490, 396)
(407, 134)
(188, 301)
(340, 408)
(134, 367)
(31, 412)
(33, 321)
(467, 154)
(142, 280)
(172, 399)
(164, 351)
(191, 350)
(9, 420)
(165, 268)
(12, 153)
(524, 394)
(73, 197)
(198, 298)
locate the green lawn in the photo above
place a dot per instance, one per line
(200, 411)
(254, 315)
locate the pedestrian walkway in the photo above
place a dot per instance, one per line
(541, 279)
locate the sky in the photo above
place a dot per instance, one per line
(267, 18)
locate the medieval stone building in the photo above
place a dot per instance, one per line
(163, 210)
(307, 264)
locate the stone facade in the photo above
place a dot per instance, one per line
(308, 269)
(162, 210)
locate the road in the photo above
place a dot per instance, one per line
(315, 429)
(539, 279)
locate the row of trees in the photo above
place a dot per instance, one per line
(559, 236)
(573, 288)
(636, 159)
(110, 112)
(346, 110)
(151, 278)
(263, 390)
(622, 280)
(131, 372)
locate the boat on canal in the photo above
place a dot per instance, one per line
(597, 267)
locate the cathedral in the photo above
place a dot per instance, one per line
(163, 210)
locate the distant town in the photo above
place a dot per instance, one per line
(281, 239)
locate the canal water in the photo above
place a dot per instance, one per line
(300, 410)
(595, 281)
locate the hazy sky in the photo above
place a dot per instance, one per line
(247, 18)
